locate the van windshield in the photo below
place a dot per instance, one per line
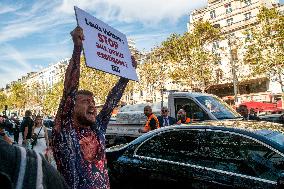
(218, 108)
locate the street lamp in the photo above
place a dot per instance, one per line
(232, 62)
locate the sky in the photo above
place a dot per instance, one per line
(35, 33)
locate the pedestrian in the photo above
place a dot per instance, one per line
(78, 137)
(182, 117)
(16, 130)
(26, 169)
(243, 110)
(3, 134)
(165, 119)
(252, 115)
(40, 135)
(152, 121)
(27, 128)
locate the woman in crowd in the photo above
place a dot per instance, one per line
(41, 135)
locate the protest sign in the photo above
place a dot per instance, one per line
(105, 48)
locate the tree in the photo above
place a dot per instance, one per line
(265, 49)
(100, 83)
(52, 99)
(17, 97)
(35, 94)
(3, 100)
(193, 61)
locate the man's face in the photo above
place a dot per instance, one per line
(164, 112)
(147, 111)
(85, 111)
(243, 111)
(181, 115)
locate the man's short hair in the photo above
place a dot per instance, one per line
(28, 113)
(85, 92)
(148, 107)
(164, 108)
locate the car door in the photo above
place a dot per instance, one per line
(240, 161)
(171, 159)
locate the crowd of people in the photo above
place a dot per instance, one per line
(154, 122)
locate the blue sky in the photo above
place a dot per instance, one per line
(34, 34)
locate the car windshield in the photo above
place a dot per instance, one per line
(218, 108)
(274, 136)
(140, 107)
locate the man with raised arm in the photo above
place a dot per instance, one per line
(78, 139)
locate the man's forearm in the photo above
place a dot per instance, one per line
(71, 84)
(72, 75)
(113, 98)
(25, 134)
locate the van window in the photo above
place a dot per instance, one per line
(193, 110)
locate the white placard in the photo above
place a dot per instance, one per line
(105, 48)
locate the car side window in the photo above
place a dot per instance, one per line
(239, 154)
(193, 110)
(179, 146)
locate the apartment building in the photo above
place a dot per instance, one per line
(46, 77)
(39, 82)
(234, 18)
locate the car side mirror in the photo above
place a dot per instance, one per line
(280, 181)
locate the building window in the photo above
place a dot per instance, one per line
(215, 45)
(230, 21)
(216, 25)
(228, 7)
(212, 14)
(218, 58)
(248, 16)
(248, 36)
(234, 54)
(247, 2)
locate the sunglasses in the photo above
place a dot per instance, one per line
(164, 110)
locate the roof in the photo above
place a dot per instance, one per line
(250, 125)
(248, 128)
(192, 94)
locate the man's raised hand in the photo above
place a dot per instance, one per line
(77, 36)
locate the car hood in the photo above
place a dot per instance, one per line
(248, 125)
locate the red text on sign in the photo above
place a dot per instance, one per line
(108, 41)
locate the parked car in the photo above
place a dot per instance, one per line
(276, 118)
(201, 156)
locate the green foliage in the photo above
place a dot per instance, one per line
(52, 99)
(265, 50)
(100, 83)
(18, 96)
(3, 100)
(192, 61)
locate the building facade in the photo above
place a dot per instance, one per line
(37, 83)
(235, 18)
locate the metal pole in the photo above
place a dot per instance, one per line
(232, 62)
(162, 95)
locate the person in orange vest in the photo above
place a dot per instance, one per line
(152, 121)
(181, 117)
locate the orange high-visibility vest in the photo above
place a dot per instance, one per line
(186, 121)
(147, 126)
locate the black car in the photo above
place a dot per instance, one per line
(200, 157)
(276, 118)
